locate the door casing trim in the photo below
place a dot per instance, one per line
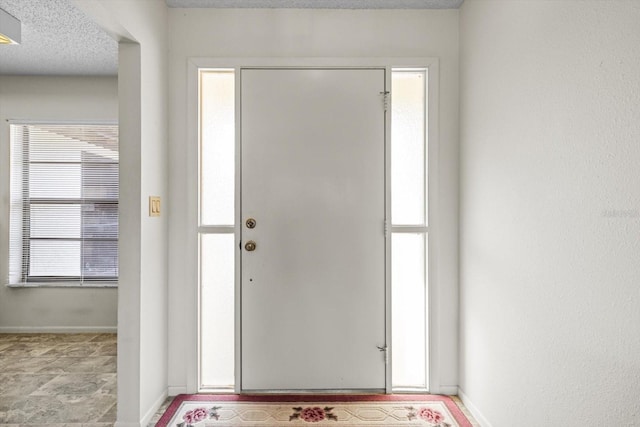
(237, 63)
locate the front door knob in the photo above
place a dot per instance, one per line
(250, 246)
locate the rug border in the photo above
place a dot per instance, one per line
(171, 410)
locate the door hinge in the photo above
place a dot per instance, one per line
(384, 349)
(386, 228)
(385, 99)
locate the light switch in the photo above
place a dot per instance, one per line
(154, 205)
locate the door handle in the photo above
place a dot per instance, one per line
(250, 246)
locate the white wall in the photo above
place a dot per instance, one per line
(141, 28)
(550, 212)
(305, 33)
(51, 98)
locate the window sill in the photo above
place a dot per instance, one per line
(62, 285)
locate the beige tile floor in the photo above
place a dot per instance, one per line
(57, 380)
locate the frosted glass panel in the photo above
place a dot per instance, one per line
(409, 302)
(408, 156)
(217, 147)
(217, 310)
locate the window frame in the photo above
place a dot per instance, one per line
(80, 281)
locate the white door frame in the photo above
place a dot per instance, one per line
(435, 327)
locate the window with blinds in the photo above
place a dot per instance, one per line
(64, 204)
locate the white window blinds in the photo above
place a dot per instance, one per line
(64, 204)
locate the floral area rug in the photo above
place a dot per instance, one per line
(316, 410)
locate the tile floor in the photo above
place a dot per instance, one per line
(64, 380)
(57, 380)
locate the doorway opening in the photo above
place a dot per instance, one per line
(405, 229)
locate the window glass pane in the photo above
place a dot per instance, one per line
(99, 180)
(408, 155)
(99, 258)
(100, 220)
(69, 143)
(217, 147)
(217, 310)
(47, 145)
(55, 181)
(409, 310)
(54, 258)
(62, 221)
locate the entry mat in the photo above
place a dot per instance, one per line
(204, 410)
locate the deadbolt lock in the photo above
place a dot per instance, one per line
(251, 223)
(250, 246)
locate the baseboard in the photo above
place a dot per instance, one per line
(144, 422)
(448, 390)
(154, 408)
(473, 409)
(176, 390)
(57, 329)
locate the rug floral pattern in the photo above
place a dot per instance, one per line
(312, 414)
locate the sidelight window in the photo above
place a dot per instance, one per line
(216, 228)
(409, 229)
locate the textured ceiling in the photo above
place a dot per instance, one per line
(320, 4)
(57, 39)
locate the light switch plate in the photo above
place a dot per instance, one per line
(154, 205)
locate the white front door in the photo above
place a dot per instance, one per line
(313, 182)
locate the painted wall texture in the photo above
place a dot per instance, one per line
(550, 212)
(290, 33)
(140, 27)
(64, 99)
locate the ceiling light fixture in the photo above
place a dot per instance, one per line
(9, 29)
